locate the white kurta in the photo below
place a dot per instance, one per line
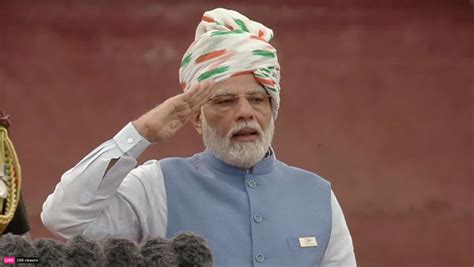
(132, 203)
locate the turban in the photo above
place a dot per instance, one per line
(227, 44)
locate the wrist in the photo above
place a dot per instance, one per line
(142, 129)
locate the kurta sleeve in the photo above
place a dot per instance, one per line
(90, 200)
(340, 251)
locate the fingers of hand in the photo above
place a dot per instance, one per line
(192, 98)
(202, 95)
(198, 89)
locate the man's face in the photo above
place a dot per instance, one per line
(237, 123)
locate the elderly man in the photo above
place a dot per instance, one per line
(253, 209)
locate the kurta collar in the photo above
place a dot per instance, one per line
(264, 166)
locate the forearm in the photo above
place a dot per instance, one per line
(88, 192)
(87, 189)
(81, 196)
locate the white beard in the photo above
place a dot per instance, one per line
(240, 154)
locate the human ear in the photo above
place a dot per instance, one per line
(196, 121)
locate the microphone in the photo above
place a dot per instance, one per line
(16, 245)
(51, 252)
(122, 252)
(84, 252)
(184, 250)
(192, 250)
(158, 251)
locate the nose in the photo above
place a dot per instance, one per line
(244, 111)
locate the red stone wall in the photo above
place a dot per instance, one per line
(377, 98)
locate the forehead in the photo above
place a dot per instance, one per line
(245, 83)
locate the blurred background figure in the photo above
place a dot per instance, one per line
(13, 216)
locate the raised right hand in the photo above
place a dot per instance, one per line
(163, 121)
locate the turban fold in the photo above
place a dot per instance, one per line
(227, 44)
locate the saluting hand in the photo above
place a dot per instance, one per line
(163, 121)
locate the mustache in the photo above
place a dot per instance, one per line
(246, 125)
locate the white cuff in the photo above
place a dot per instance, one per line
(130, 141)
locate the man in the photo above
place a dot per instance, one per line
(253, 209)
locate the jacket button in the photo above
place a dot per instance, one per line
(252, 184)
(259, 258)
(257, 218)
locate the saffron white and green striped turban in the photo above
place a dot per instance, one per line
(228, 44)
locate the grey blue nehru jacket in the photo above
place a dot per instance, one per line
(269, 215)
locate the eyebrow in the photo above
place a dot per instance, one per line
(223, 92)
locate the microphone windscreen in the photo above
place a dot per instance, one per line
(51, 252)
(158, 251)
(16, 245)
(85, 252)
(122, 252)
(192, 250)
